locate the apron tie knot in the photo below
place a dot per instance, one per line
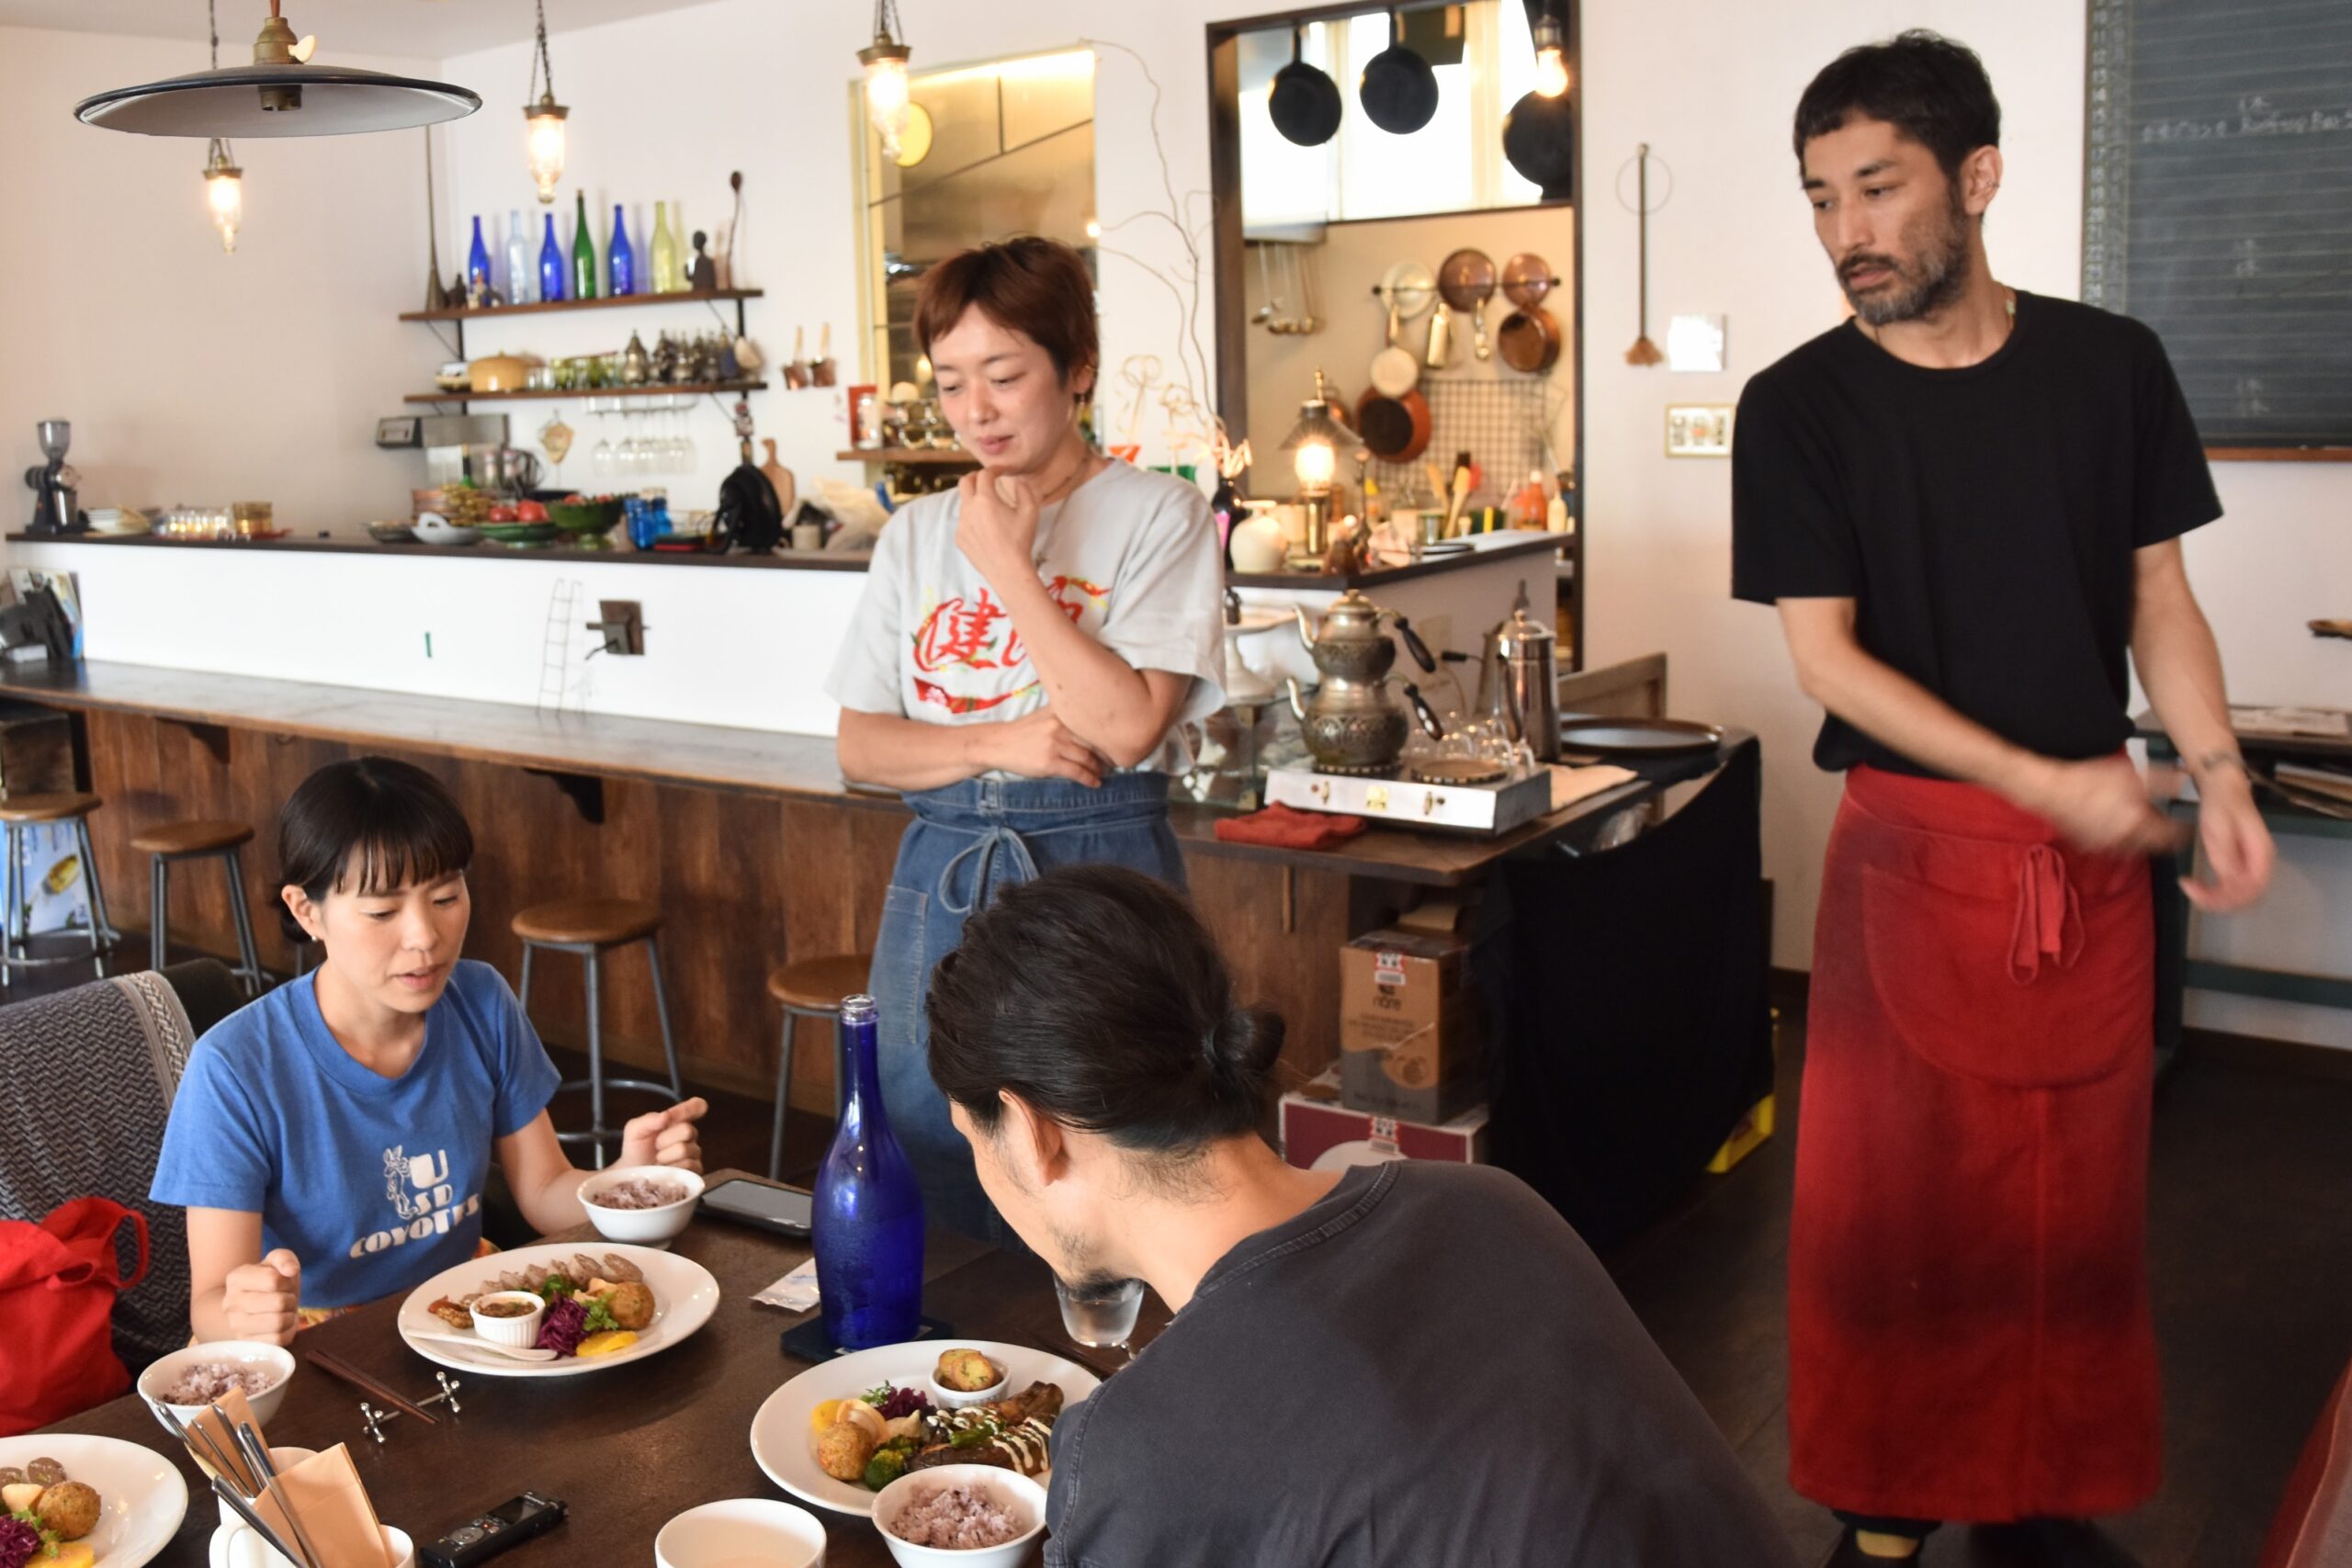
(986, 843)
(2049, 919)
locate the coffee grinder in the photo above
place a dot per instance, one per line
(56, 487)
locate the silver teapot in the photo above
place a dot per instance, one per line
(1353, 724)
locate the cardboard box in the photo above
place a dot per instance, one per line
(1411, 1042)
(1320, 1133)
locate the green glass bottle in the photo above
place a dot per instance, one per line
(583, 254)
(667, 279)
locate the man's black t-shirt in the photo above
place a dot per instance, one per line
(1983, 520)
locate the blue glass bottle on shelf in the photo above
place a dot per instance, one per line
(550, 266)
(621, 259)
(868, 1232)
(478, 278)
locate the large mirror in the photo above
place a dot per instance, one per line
(1006, 147)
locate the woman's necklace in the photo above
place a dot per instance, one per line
(1080, 472)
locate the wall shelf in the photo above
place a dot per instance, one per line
(604, 302)
(578, 393)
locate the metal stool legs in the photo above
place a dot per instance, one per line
(16, 928)
(792, 1015)
(597, 1134)
(158, 942)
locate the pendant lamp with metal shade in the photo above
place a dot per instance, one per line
(885, 60)
(544, 144)
(282, 92)
(1303, 102)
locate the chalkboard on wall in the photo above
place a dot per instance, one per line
(2218, 206)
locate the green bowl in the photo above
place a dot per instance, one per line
(587, 517)
(519, 533)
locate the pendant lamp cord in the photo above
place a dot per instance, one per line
(540, 64)
(220, 150)
(886, 24)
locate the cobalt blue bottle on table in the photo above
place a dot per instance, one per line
(867, 1234)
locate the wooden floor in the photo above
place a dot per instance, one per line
(2251, 1246)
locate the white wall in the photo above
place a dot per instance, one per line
(1712, 91)
(190, 375)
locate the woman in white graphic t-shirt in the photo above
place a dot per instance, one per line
(1029, 650)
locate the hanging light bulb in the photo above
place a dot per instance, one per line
(886, 77)
(223, 181)
(545, 143)
(224, 192)
(1551, 60)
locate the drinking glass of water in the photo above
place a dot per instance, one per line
(1101, 1316)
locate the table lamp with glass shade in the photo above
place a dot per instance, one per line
(1314, 445)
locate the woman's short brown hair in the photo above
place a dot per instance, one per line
(1037, 286)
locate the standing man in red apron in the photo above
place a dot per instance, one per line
(1967, 504)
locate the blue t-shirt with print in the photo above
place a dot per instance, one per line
(374, 1183)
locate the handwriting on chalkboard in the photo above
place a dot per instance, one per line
(2216, 207)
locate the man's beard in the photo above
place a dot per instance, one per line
(1921, 289)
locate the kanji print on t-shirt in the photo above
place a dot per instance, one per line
(977, 653)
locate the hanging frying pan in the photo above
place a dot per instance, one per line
(1399, 90)
(1395, 430)
(1467, 282)
(1393, 370)
(1529, 340)
(1527, 279)
(1304, 102)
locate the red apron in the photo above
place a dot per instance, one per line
(1968, 1331)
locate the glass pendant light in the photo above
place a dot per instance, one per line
(545, 118)
(280, 94)
(223, 181)
(886, 77)
(1551, 59)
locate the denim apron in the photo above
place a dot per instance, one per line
(969, 841)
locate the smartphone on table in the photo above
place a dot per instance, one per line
(771, 1205)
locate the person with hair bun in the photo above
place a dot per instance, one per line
(331, 1142)
(1030, 651)
(1404, 1364)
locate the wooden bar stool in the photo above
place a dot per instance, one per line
(200, 840)
(814, 988)
(18, 813)
(591, 927)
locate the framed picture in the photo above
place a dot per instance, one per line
(1698, 429)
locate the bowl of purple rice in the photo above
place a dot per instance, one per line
(180, 1384)
(646, 1204)
(969, 1515)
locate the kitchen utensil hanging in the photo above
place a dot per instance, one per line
(1399, 89)
(1644, 351)
(1529, 340)
(1304, 102)
(1408, 288)
(1528, 279)
(1467, 282)
(1395, 430)
(1394, 369)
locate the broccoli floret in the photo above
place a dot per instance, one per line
(886, 1465)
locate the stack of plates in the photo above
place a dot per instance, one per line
(119, 519)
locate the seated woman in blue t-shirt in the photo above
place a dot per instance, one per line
(330, 1141)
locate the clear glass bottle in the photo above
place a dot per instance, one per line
(868, 1228)
(520, 289)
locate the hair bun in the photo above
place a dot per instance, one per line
(1249, 1041)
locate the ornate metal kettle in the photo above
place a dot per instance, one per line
(1353, 724)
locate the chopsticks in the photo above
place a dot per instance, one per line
(336, 1367)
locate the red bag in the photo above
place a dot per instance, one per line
(58, 1281)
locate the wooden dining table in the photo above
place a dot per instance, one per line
(627, 1448)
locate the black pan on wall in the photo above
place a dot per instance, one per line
(1304, 101)
(1400, 88)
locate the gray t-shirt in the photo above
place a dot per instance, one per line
(1425, 1369)
(1130, 556)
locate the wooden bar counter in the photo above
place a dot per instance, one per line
(751, 842)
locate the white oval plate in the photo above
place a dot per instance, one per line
(141, 1496)
(684, 1295)
(787, 1449)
